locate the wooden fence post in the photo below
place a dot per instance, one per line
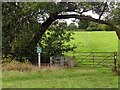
(115, 60)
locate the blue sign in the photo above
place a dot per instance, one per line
(39, 50)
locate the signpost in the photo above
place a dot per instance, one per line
(39, 51)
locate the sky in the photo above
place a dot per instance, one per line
(96, 16)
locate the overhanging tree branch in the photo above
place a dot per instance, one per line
(32, 44)
(49, 21)
(83, 17)
(103, 9)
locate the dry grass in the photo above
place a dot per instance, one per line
(27, 66)
(16, 65)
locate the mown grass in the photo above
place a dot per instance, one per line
(62, 78)
(99, 41)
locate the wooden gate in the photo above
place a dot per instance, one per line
(97, 58)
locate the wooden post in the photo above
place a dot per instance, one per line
(115, 60)
(50, 60)
(39, 60)
(118, 57)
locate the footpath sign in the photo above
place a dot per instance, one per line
(39, 51)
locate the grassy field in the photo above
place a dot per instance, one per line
(61, 78)
(77, 77)
(102, 41)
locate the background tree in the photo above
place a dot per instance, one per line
(98, 27)
(114, 16)
(72, 26)
(19, 24)
(56, 41)
(83, 24)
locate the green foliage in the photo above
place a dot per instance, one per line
(103, 27)
(114, 16)
(7, 59)
(93, 27)
(56, 40)
(19, 25)
(98, 27)
(83, 24)
(72, 26)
